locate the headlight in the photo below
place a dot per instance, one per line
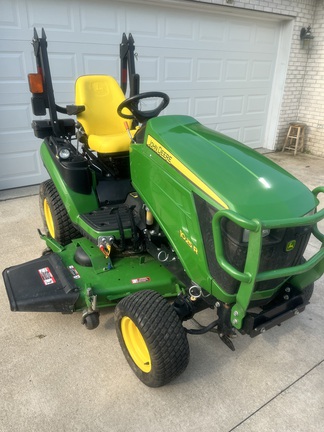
(246, 234)
(64, 153)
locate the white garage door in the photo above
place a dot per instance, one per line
(216, 66)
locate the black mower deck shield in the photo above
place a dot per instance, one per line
(41, 285)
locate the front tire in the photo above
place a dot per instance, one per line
(152, 338)
(56, 220)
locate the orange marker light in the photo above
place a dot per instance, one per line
(35, 83)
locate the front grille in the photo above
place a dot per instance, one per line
(273, 252)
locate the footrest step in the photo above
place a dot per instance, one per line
(108, 218)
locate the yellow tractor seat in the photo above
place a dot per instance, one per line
(105, 129)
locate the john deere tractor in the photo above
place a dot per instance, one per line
(162, 218)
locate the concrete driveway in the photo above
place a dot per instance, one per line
(57, 376)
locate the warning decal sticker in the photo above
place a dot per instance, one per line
(74, 272)
(46, 275)
(141, 280)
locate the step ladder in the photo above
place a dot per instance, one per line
(295, 139)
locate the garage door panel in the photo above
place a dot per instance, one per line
(13, 160)
(241, 33)
(23, 140)
(14, 117)
(206, 107)
(12, 66)
(232, 106)
(20, 162)
(17, 61)
(63, 65)
(145, 22)
(19, 168)
(262, 70)
(179, 105)
(211, 31)
(100, 64)
(252, 135)
(236, 70)
(108, 21)
(257, 104)
(14, 93)
(209, 70)
(150, 69)
(266, 36)
(9, 14)
(178, 69)
(184, 32)
(55, 15)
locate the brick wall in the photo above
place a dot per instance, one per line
(311, 106)
(303, 98)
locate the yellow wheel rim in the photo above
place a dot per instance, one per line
(49, 218)
(136, 345)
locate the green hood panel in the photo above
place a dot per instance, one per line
(243, 179)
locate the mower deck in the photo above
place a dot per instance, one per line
(60, 282)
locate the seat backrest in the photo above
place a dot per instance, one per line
(101, 96)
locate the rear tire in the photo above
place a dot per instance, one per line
(152, 338)
(56, 221)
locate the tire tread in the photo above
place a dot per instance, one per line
(64, 229)
(163, 334)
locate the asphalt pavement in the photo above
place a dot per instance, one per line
(56, 376)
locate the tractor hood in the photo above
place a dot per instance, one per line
(230, 173)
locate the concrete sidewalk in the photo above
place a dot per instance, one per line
(56, 376)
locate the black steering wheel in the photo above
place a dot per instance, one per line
(142, 116)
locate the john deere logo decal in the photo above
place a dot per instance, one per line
(290, 245)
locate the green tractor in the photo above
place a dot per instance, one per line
(162, 218)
